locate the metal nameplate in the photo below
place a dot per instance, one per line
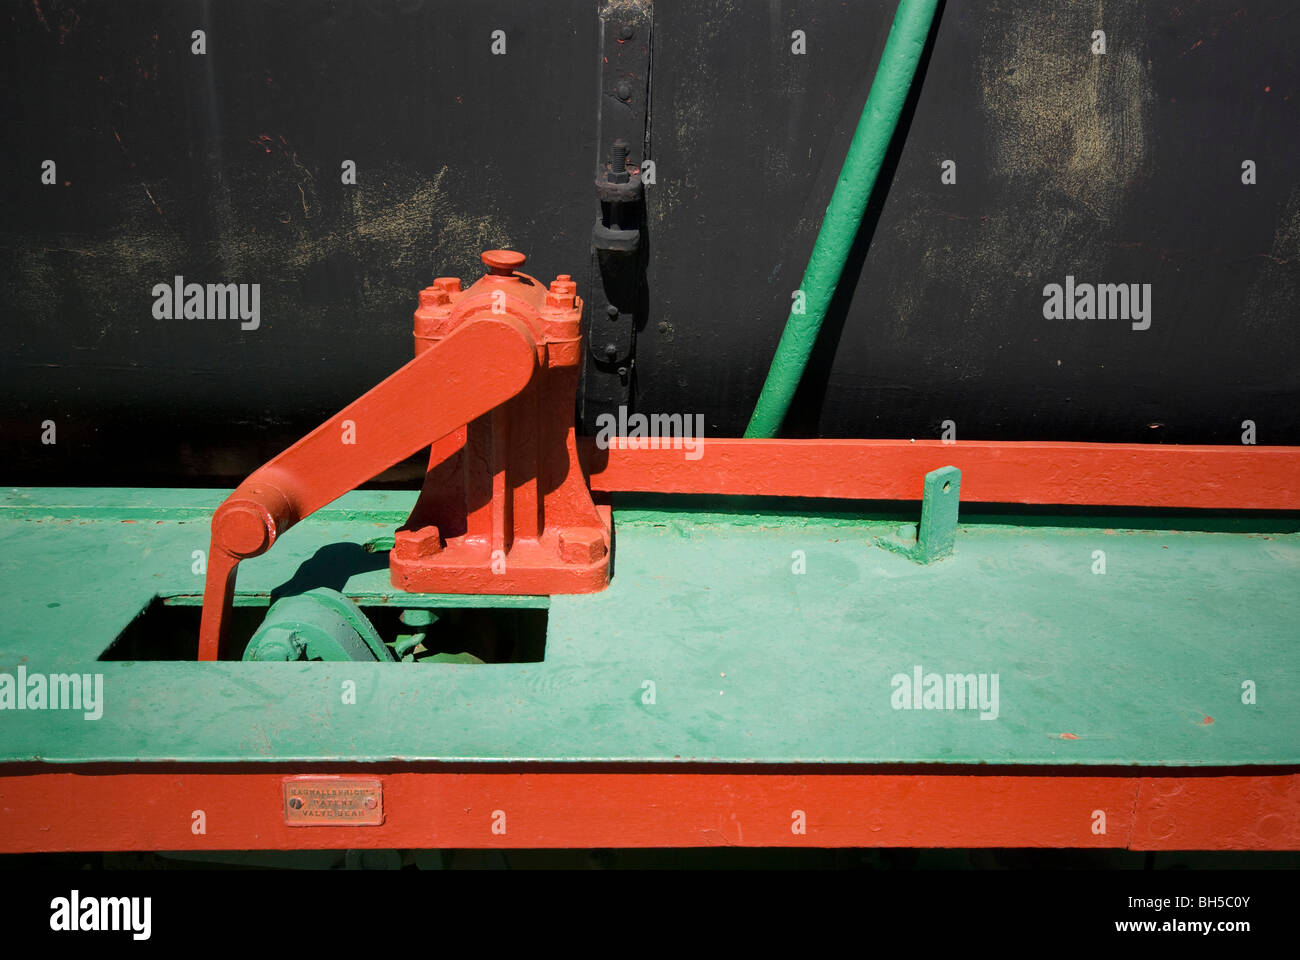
(333, 801)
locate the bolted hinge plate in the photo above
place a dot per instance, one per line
(616, 296)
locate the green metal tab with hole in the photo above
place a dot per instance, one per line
(936, 536)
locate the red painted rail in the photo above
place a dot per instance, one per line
(1100, 474)
(157, 811)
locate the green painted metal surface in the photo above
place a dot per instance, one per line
(710, 645)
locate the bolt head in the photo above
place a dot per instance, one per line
(417, 544)
(584, 545)
(624, 90)
(611, 351)
(561, 293)
(612, 311)
(626, 32)
(417, 617)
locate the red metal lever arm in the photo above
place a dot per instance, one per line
(478, 367)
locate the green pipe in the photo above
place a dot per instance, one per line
(844, 213)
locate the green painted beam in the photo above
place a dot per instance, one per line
(748, 659)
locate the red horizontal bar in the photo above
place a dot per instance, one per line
(245, 811)
(1218, 813)
(1101, 474)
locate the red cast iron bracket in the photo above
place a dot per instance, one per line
(505, 508)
